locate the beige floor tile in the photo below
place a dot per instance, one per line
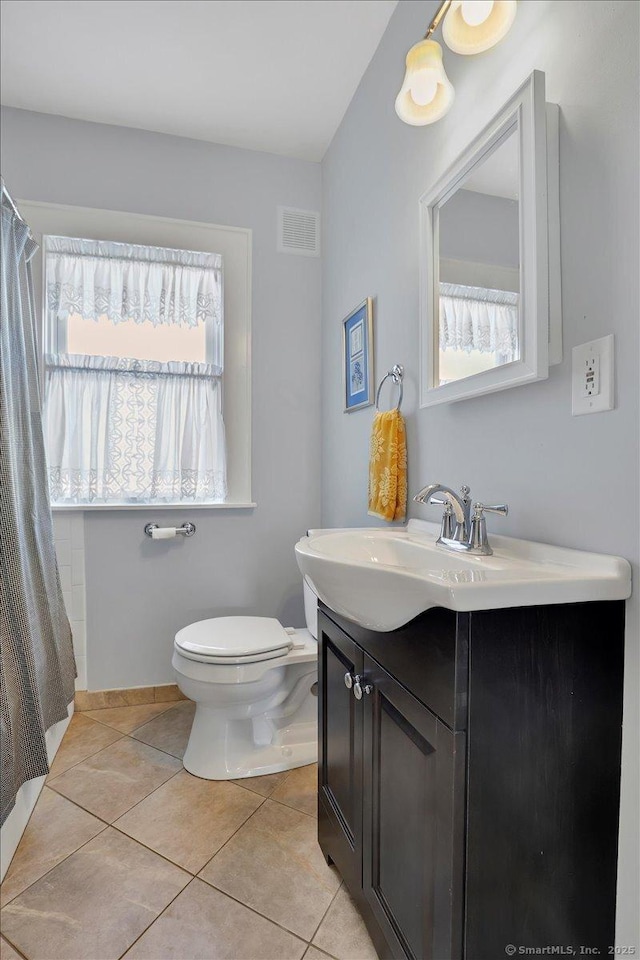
(101, 699)
(83, 738)
(170, 731)
(342, 933)
(187, 819)
(203, 924)
(126, 719)
(115, 779)
(274, 865)
(168, 692)
(263, 785)
(94, 904)
(7, 952)
(57, 827)
(314, 954)
(300, 790)
(80, 701)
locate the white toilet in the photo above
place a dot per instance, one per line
(251, 680)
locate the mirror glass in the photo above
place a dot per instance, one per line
(478, 296)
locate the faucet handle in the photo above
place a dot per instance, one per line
(478, 541)
(502, 509)
(447, 527)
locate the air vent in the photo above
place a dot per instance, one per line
(298, 231)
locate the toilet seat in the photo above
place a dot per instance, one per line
(234, 640)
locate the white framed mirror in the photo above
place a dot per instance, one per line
(490, 257)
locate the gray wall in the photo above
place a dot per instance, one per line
(480, 228)
(569, 481)
(240, 562)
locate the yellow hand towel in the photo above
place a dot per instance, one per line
(388, 467)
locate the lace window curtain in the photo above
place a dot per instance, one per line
(476, 318)
(123, 281)
(124, 429)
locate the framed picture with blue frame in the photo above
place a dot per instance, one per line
(357, 356)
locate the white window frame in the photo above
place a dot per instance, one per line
(234, 244)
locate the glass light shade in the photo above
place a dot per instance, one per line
(426, 93)
(473, 34)
(475, 12)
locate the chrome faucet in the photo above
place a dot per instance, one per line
(468, 533)
(454, 504)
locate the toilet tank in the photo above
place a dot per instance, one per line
(310, 608)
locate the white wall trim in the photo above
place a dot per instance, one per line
(68, 536)
(184, 505)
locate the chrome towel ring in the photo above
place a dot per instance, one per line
(396, 373)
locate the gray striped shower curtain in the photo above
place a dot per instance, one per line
(37, 667)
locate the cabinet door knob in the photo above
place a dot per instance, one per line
(348, 680)
(360, 686)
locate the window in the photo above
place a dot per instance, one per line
(134, 363)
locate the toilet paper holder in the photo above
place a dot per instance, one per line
(186, 530)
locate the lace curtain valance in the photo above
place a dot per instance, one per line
(96, 278)
(476, 318)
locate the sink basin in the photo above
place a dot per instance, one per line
(382, 579)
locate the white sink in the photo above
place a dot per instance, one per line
(382, 579)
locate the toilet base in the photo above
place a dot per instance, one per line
(232, 753)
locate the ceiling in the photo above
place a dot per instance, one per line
(274, 75)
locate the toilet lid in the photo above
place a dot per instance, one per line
(229, 638)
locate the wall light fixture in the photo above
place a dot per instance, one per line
(470, 26)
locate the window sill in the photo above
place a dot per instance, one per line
(76, 507)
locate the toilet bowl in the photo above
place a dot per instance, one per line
(251, 680)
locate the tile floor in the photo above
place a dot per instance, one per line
(128, 855)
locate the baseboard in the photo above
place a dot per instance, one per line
(26, 798)
(127, 697)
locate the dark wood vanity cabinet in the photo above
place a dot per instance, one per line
(470, 797)
(340, 771)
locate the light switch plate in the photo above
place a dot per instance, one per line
(592, 380)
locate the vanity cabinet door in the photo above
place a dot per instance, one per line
(340, 752)
(413, 821)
